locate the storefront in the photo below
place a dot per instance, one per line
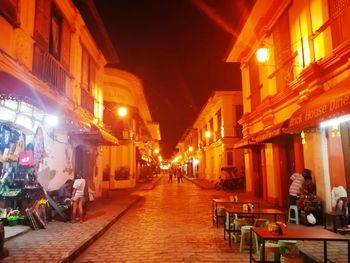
(34, 153)
(324, 127)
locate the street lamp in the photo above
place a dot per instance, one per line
(207, 134)
(122, 111)
(262, 54)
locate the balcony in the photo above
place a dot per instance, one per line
(87, 101)
(49, 69)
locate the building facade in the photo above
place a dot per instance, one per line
(137, 133)
(207, 146)
(51, 66)
(290, 95)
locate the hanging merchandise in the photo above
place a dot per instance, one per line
(26, 158)
(5, 134)
(38, 141)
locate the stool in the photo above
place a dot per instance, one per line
(293, 209)
(245, 239)
(272, 252)
(237, 225)
(288, 247)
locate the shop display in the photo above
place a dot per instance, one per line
(18, 169)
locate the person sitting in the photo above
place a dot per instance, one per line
(296, 183)
(308, 186)
(64, 193)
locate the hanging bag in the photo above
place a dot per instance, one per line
(26, 158)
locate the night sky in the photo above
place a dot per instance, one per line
(178, 52)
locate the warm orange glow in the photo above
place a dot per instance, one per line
(207, 134)
(190, 149)
(262, 54)
(122, 111)
(156, 151)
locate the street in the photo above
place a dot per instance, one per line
(171, 224)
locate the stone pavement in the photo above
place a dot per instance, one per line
(62, 242)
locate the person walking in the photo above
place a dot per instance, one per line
(78, 197)
(170, 180)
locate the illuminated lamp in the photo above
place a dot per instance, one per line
(190, 149)
(207, 134)
(122, 111)
(262, 54)
(51, 120)
(335, 122)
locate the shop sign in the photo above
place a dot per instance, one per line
(328, 105)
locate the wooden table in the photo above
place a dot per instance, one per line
(255, 212)
(227, 201)
(315, 234)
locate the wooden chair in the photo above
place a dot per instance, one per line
(338, 214)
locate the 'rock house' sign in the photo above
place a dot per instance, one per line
(331, 104)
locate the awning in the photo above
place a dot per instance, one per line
(331, 104)
(271, 133)
(245, 143)
(96, 135)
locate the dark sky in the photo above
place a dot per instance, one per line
(178, 52)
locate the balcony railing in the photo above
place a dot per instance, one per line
(49, 69)
(87, 101)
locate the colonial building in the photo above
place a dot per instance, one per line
(51, 66)
(137, 134)
(208, 145)
(292, 97)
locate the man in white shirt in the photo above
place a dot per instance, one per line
(78, 197)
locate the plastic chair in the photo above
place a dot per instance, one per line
(338, 213)
(237, 225)
(293, 214)
(245, 239)
(272, 252)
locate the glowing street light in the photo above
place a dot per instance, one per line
(262, 54)
(122, 111)
(207, 134)
(51, 120)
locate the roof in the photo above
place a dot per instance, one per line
(97, 29)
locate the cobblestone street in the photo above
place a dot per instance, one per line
(171, 224)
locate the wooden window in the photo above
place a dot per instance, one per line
(9, 10)
(255, 96)
(283, 53)
(219, 120)
(229, 156)
(42, 23)
(339, 11)
(55, 35)
(88, 76)
(52, 32)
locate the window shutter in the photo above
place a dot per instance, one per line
(8, 9)
(42, 23)
(85, 70)
(65, 44)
